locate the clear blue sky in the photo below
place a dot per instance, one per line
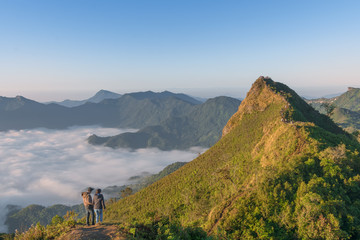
(51, 49)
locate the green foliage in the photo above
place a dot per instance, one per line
(126, 192)
(163, 229)
(22, 219)
(349, 100)
(329, 108)
(5, 236)
(57, 227)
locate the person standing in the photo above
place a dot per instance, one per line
(99, 205)
(89, 206)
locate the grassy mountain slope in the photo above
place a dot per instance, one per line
(200, 127)
(346, 108)
(349, 100)
(139, 182)
(346, 118)
(281, 171)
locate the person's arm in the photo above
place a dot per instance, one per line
(103, 202)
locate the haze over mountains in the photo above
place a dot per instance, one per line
(98, 97)
(167, 120)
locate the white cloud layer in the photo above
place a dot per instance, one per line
(47, 167)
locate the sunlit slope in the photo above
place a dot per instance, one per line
(281, 170)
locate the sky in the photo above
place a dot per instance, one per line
(53, 50)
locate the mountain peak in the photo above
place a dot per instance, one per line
(352, 89)
(265, 92)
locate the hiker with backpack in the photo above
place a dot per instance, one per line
(99, 205)
(89, 206)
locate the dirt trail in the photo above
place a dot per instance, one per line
(98, 232)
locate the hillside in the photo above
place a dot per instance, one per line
(349, 100)
(346, 108)
(200, 127)
(280, 171)
(347, 119)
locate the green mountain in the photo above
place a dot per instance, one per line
(200, 127)
(347, 119)
(281, 171)
(22, 218)
(349, 100)
(344, 109)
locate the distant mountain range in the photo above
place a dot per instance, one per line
(199, 127)
(166, 120)
(133, 110)
(98, 97)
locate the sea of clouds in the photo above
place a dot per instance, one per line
(47, 167)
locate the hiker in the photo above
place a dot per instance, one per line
(99, 205)
(89, 206)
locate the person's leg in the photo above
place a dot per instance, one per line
(101, 215)
(93, 216)
(97, 215)
(87, 216)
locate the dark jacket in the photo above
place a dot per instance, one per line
(98, 201)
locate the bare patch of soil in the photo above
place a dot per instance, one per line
(97, 232)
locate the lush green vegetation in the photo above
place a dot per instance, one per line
(57, 227)
(349, 100)
(158, 229)
(282, 171)
(22, 219)
(200, 127)
(4, 236)
(345, 109)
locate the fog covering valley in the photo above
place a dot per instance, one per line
(46, 167)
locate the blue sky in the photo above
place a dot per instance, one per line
(52, 50)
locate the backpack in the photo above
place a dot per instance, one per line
(86, 198)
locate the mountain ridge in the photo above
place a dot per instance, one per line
(263, 179)
(98, 97)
